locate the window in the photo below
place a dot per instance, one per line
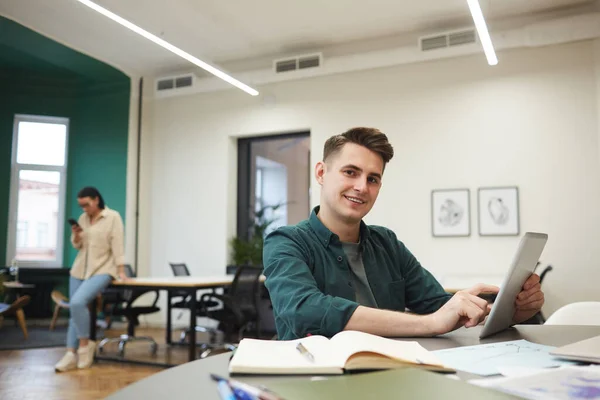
(260, 190)
(22, 233)
(37, 190)
(42, 235)
(273, 171)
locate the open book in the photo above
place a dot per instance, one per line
(348, 350)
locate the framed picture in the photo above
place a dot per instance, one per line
(450, 212)
(498, 211)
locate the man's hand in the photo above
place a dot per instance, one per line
(465, 308)
(530, 301)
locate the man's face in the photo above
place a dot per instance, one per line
(350, 181)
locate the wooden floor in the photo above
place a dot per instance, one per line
(29, 374)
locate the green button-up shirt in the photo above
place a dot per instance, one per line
(308, 278)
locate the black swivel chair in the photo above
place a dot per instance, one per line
(240, 307)
(544, 272)
(123, 306)
(181, 300)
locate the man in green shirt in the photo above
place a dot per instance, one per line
(333, 272)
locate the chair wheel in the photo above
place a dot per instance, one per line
(122, 349)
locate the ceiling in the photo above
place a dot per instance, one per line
(26, 53)
(232, 32)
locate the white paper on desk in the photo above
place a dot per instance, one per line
(485, 359)
(514, 371)
(560, 384)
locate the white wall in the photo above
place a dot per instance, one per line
(131, 194)
(531, 121)
(597, 69)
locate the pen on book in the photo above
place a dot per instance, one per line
(304, 351)
(256, 393)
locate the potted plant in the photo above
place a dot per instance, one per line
(248, 250)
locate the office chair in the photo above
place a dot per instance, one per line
(61, 301)
(544, 272)
(124, 307)
(580, 313)
(240, 307)
(181, 300)
(16, 309)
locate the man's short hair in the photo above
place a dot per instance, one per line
(371, 138)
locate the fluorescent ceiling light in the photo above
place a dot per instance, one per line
(209, 68)
(482, 31)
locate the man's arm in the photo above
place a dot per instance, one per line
(423, 295)
(389, 323)
(465, 308)
(296, 298)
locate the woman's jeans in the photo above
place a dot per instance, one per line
(81, 293)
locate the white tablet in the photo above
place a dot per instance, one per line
(525, 260)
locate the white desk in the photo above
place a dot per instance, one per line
(188, 284)
(192, 380)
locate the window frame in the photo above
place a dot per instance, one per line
(16, 168)
(25, 241)
(245, 197)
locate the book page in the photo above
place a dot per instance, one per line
(281, 356)
(347, 343)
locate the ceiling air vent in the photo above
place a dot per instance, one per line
(298, 62)
(165, 84)
(434, 42)
(309, 62)
(183, 81)
(463, 37)
(173, 83)
(286, 65)
(448, 39)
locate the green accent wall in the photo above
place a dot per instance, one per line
(98, 156)
(41, 77)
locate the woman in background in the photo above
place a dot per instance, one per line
(99, 238)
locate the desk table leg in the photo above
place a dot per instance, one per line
(168, 338)
(93, 316)
(192, 349)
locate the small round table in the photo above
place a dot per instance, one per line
(17, 287)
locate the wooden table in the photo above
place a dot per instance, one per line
(17, 287)
(193, 379)
(188, 284)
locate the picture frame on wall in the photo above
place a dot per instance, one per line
(498, 211)
(450, 212)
